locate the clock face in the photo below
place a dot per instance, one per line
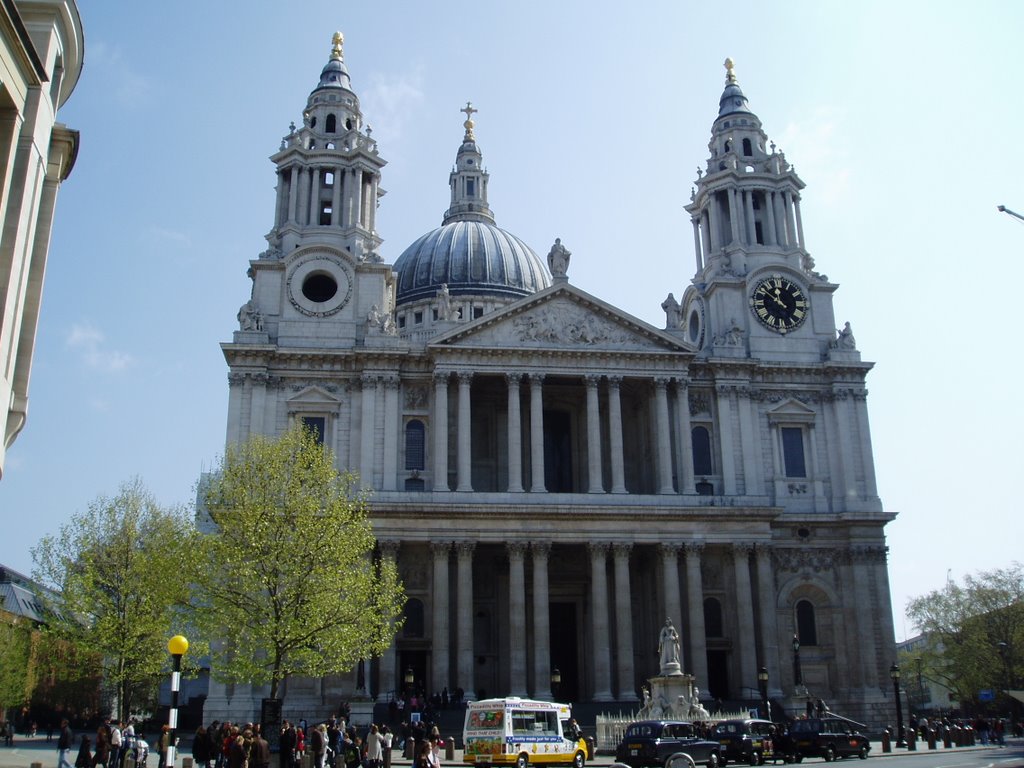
(779, 304)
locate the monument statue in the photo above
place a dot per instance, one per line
(668, 648)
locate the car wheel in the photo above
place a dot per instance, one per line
(754, 759)
(713, 760)
(523, 760)
(830, 754)
(680, 760)
(863, 754)
(579, 760)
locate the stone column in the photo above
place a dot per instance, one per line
(615, 434)
(599, 620)
(541, 622)
(696, 244)
(391, 429)
(357, 198)
(236, 391)
(769, 218)
(725, 418)
(258, 408)
(698, 660)
(734, 218)
(669, 552)
(386, 680)
(367, 440)
(594, 481)
(780, 219)
(866, 612)
(883, 595)
(464, 651)
(293, 193)
(713, 222)
(314, 195)
(799, 223)
(705, 230)
(867, 458)
(750, 445)
(302, 203)
(537, 433)
(685, 440)
(748, 202)
(441, 431)
(664, 436)
(465, 449)
(787, 199)
(439, 616)
(769, 619)
(745, 618)
(339, 174)
(517, 614)
(624, 623)
(515, 434)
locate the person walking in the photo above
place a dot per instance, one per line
(374, 748)
(64, 742)
(84, 759)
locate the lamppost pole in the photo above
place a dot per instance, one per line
(920, 686)
(177, 646)
(894, 673)
(762, 684)
(798, 675)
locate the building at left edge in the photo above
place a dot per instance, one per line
(41, 56)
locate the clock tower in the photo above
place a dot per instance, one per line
(755, 292)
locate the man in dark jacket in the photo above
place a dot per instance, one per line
(260, 751)
(64, 744)
(287, 745)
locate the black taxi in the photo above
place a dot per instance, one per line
(658, 743)
(747, 740)
(828, 737)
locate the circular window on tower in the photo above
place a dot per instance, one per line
(319, 283)
(695, 323)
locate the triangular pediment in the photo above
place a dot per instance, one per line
(562, 317)
(791, 410)
(312, 395)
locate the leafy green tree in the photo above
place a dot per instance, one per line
(15, 652)
(291, 583)
(975, 632)
(120, 570)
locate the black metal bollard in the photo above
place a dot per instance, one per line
(930, 733)
(887, 740)
(947, 737)
(912, 739)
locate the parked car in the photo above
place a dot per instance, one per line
(828, 737)
(745, 741)
(661, 743)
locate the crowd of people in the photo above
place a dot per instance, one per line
(115, 745)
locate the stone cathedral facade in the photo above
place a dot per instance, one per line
(555, 477)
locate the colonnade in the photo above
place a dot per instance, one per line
(668, 463)
(303, 191)
(782, 224)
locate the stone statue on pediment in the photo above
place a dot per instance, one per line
(673, 313)
(558, 259)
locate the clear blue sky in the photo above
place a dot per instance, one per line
(903, 118)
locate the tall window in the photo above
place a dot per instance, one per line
(806, 630)
(415, 439)
(471, 187)
(747, 148)
(316, 425)
(793, 451)
(332, 124)
(413, 626)
(701, 440)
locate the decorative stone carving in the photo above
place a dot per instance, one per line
(731, 337)
(249, 317)
(805, 559)
(561, 324)
(699, 402)
(844, 339)
(388, 548)
(415, 397)
(540, 549)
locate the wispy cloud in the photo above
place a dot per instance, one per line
(392, 101)
(90, 343)
(124, 83)
(821, 149)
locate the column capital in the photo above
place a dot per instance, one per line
(621, 549)
(391, 381)
(661, 382)
(614, 381)
(440, 549)
(681, 384)
(741, 549)
(592, 380)
(763, 551)
(389, 548)
(441, 377)
(669, 548)
(465, 549)
(695, 549)
(368, 379)
(540, 549)
(465, 377)
(598, 548)
(514, 379)
(236, 379)
(516, 549)
(536, 379)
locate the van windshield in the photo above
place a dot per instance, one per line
(486, 719)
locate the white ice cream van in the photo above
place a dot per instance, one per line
(519, 732)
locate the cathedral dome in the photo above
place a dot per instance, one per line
(471, 257)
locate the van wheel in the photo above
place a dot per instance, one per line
(755, 758)
(523, 760)
(830, 753)
(579, 760)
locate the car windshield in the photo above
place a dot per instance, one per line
(727, 729)
(642, 729)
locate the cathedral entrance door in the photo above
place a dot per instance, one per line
(564, 650)
(417, 662)
(718, 674)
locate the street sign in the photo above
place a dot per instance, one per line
(986, 695)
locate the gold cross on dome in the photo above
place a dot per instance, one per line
(468, 125)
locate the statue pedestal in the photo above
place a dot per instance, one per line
(673, 696)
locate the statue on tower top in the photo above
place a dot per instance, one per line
(730, 74)
(336, 42)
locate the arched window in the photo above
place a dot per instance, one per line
(415, 439)
(747, 149)
(806, 631)
(713, 618)
(332, 124)
(413, 626)
(701, 441)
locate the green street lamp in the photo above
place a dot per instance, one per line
(177, 646)
(894, 673)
